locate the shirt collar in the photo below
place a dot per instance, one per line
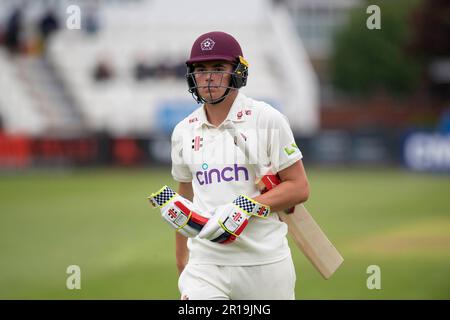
(235, 114)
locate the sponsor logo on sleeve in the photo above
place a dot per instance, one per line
(290, 149)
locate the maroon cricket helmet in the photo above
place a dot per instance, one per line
(215, 45)
(219, 46)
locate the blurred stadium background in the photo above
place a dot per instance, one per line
(86, 113)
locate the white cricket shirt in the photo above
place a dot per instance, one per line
(208, 157)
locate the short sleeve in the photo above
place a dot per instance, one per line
(282, 149)
(180, 171)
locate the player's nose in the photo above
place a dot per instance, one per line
(209, 76)
(210, 79)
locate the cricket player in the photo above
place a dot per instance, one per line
(230, 242)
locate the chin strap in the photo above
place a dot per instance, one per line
(227, 92)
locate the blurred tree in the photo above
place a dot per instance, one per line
(431, 44)
(366, 61)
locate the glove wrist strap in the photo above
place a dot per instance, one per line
(252, 207)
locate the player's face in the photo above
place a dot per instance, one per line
(212, 78)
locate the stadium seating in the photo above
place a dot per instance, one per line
(160, 32)
(18, 111)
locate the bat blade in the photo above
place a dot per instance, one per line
(302, 227)
(312, 241)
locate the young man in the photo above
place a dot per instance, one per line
(253, 260)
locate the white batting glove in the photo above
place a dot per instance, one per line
(179, 212)
(230, 220)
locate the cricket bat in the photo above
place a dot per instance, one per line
(306, 233)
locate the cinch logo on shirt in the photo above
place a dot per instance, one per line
(226, 174)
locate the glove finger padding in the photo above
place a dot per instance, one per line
(226, 225)
(230, 220)
(178, 212)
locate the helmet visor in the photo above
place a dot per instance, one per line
(210, 86)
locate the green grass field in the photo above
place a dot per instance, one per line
(100, 220)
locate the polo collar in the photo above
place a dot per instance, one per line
(235, 114)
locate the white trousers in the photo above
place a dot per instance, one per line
(274, 281)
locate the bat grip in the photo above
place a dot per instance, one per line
(270, 181)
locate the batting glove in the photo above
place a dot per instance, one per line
(230, 220)
(178, 212)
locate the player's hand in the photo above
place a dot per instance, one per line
(179, 212)
(228, 221)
